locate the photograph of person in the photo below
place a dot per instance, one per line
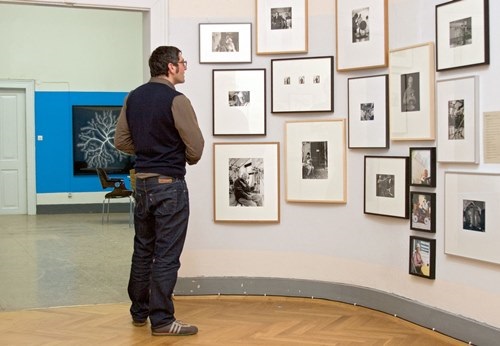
(410, 92)
(246, 182)
(456, 125)
(385, 185)
(315, 160)
(281, 18)
(225, 42)
(360, 25)
(423, 166)
(474, 215)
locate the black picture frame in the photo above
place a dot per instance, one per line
(93, 140)
(423, 265)
(462, 34)
(423, 211)
(423, 166)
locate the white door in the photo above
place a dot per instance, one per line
(13, 165)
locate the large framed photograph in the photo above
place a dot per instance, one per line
(469, 232)
(239, 102)
(368, 112)
(462, 34)
(411, 85)
(423, 211)
(302, 85)
(225, 43)
(386, 186)
(361, 34)
(423, 167)
(246, 182)
(316, 161)
(458, 121)
(422, 257)
(282, 26)
(93, 135)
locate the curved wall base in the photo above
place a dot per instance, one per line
(458, 327)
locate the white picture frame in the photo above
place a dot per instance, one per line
(225, 43)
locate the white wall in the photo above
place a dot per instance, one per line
(335, 243)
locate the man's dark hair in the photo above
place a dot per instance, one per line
(161, 57)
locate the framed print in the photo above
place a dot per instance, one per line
(281, 26)
(239, 102)
(469, 232)
(225, 43)
(246, 182)
(462, 34)
(361, 34)
(386, 186)
(302, 85)
(315, 161)
(458, 120)
(368, 112)
(423, 167)
(411, 85)
(423, 211)
(422, 257)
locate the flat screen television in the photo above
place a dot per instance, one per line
(93, 141)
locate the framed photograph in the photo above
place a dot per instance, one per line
(411, 85)
(281, 26)
(422, 257)
(93, 134)
(361, 34)
(458, 120)
(423, 167)
(315, 161)
(368, 112)
(239, 102)
(469, 232)
(225, 43)
(302, 85)
(423, 211)
(246, 182)
(386, 186)
(462, 34)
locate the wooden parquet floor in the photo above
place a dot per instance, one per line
(222, 320)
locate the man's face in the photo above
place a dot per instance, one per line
(178, 70)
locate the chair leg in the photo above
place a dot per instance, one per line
(102, 214)
(107, 212)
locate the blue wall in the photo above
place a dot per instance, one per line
(54, 154)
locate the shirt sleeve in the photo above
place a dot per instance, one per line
(187, 125)
(123, 138)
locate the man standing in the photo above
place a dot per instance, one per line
(158, 125)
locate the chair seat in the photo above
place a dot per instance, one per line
(119, 193)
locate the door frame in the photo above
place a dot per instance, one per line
(28, 86)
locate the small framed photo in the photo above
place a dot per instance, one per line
(469, 231)
(423, 167)
(239, 102)
(302, 85)
(411, 85)
(462, 34)
(422, 257)
(246, 182)
(386, 186)
(225, 43)
(316, 161)
(282, 26)
(368, 112)
(423, 211)
(458, 123)
(361, 34)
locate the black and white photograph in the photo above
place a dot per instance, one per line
(360, 25)
(422, 257)
(315, 160)
(246, 179)
(367, 111)
(423, 166)
(461, 32)
(456, 125)
(385, 185)
(422, 211)
(225, 42)
(238, 98)
(410, 92)
(474, 215)
(281, 18)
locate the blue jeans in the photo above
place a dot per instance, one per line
(161, 219)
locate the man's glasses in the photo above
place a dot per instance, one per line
(184, 62)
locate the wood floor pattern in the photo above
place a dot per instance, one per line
(222, 320)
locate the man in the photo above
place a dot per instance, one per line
(244, 194)
(158, 125)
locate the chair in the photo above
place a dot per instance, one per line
(119, 191)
